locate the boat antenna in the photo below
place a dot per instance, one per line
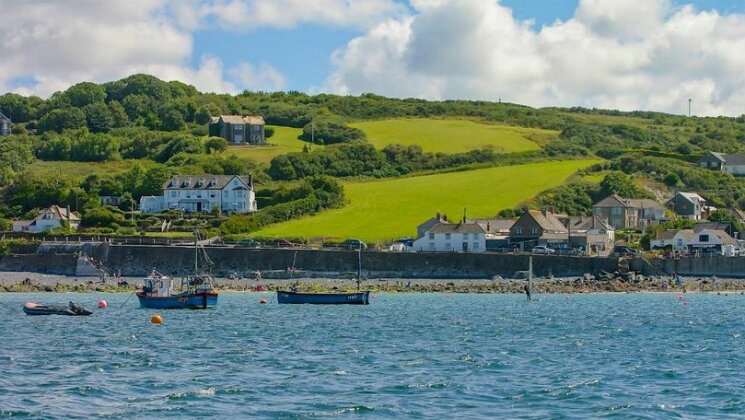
(292, 269)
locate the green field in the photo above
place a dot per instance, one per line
(453, 136)
(388, 209)
(284, 140)
(77, 171)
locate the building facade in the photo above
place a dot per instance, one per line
(733, 164)
(538, 228)
(687, 205)
(452, 237)
(237, 129)
(4, 125)
(628, 213)
(203, 193)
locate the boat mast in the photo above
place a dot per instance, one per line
(530, 276)
(196, 252)
(359, 266)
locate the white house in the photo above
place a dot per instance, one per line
(677, 239)
(51, 218)
(202, 193)
(732, 164)
(711, 238)
(452, 237)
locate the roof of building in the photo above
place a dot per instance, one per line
(238, 119)
(457, 228)
(698, 227)
(667, 235)
(615, 200)
(203, 182)
(736, 213)
(494, 225)
(3, 117)
(723, 236)
(547, 221)
(690, 196)
(58, 213)
(587, 223)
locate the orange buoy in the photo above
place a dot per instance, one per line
(156, 319)
(262, 301)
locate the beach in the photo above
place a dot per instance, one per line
(36, 282)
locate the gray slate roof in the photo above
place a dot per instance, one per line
(457, 228)
(547, 221)
(202, 182)
(494, 225)
(238, 119)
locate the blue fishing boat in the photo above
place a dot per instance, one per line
(360, 297)
(344, 298)
(194, 292)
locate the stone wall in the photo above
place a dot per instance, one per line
(706, 266)
(63, 264)
(175, 260)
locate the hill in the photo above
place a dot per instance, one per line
(387, 209)
(453, 136)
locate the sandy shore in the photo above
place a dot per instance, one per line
(35, 282)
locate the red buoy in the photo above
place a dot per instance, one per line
(262, 301)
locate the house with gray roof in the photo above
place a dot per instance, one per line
(733, 164)
(203, 193)
(628, 213)
(238, 129)
(538, 228)
(50, 218)
(452, 237)
(687, 205)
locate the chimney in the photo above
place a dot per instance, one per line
(488, 227)
(251, 181)
(68, 214)
(439, 216)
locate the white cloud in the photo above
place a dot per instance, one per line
(640, 54)
(246, 15)
(52, 45)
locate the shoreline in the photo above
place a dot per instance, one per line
(19, 282)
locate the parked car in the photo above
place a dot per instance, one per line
(542, 249)
(354, 244)
(620, 251)
(566, 250)
(284, 243)
(249, 243)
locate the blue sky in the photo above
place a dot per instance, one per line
(620, 54)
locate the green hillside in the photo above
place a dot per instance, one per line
(452, 135)
(393, 208)
(284, 140)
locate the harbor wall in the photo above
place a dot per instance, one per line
(719, 266)
(135, 260)
(61, 264)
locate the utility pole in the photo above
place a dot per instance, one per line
(689, 107)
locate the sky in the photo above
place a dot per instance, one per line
(627, 55)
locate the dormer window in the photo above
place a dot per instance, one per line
(213, 181)
(187, 182)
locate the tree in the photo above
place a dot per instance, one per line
(118, 114)
(62, 119)
(173, 121)
(203, 115)
(18, 108)
(99, 117)
(101, 217)
(671, 180)
(85, 93)
(621, 184)
(217, 144)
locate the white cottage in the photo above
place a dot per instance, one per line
(51, 218)
(452, 237)
(202, 193)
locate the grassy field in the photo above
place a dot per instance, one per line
(77, 171)
(453, 136)
(284, 140)
(388, 209)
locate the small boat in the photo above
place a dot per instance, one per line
(31, 308)
(360, 297)
(195, 292)
(341, 298)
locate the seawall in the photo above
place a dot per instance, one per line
(139, 260)
(706, 266)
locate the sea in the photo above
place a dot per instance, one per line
(418, 356)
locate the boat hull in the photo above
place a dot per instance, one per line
(351, 298)
(200, 300)
(53, 310)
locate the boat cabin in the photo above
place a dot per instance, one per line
(158, 286)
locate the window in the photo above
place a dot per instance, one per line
(475, 245)
(518, 231)
(616, 210)
(447, 237)
(212, 194)
(174, 194)
(431, 246)
(431, 236)
(447, 246)
(199, 194)
(534, 231)
(703, 238)
(598, 211)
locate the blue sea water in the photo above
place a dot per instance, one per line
(403, 356)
